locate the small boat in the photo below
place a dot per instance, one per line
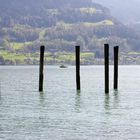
(63, 66)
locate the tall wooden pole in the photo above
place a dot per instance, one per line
(77, 52)
(106, 57)
(116, 51)
(41, 74)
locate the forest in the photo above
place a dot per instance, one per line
(60, 25)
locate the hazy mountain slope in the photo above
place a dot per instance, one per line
(59, 25)
(125, 10)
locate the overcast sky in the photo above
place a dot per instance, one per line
(125, 10)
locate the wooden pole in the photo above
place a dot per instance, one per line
(116, 50)
(41, 75)
(77, 49)
(106, 57)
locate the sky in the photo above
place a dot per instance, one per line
(128, 11)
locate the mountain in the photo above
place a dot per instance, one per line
(126, 11)
(59, 25)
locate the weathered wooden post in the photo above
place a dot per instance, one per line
(116, 50)
(77, 53)
(106, 63)
(41, 74)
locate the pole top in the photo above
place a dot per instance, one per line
(42, 48)
(106, 45)
(116, 47)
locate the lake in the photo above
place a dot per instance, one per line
(62, 113)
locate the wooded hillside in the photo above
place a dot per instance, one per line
(59, 25)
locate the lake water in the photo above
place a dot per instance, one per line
(61, 113)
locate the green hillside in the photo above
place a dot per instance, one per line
(59, 25)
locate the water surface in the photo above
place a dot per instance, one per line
(62, 113)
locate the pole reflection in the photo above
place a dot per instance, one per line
(107, 102)
(78, 101)
(116, 99)
(41, 98)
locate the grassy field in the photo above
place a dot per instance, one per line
(17, 46)
(33, 58)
